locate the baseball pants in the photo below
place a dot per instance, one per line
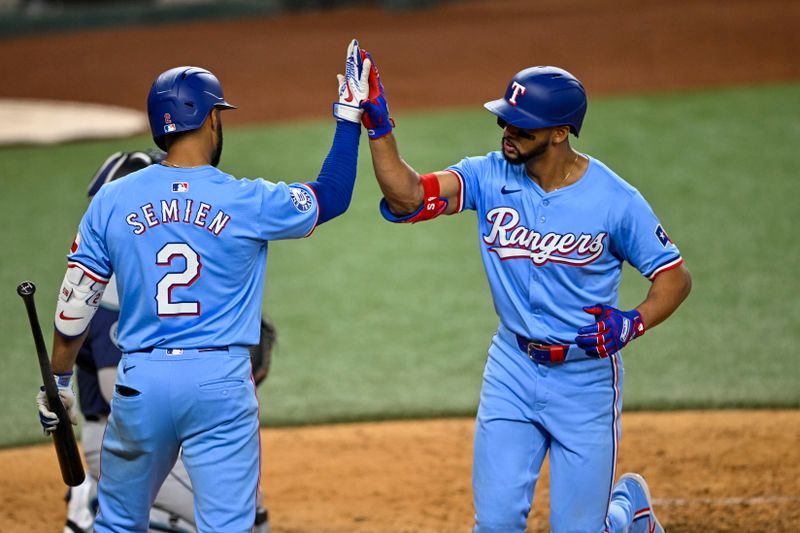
(175, 495)
(527, 410)
(201, 401)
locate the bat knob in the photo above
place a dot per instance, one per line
(26, 288)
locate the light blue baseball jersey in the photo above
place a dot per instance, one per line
(547, 255)
(189, 248)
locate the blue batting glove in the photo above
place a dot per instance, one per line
(376, 111)
(610, 333)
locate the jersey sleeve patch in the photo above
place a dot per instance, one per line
(301, 199)
(663, 238)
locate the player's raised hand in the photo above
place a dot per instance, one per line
(376, 110)
(353, 85)
(48, 418)
(612, 330)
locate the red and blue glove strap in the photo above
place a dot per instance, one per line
(610, 333)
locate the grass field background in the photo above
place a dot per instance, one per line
(382, 321)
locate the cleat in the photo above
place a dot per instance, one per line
(644, 518)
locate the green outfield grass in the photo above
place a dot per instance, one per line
(382, 321)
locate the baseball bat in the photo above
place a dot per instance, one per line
(69, 457)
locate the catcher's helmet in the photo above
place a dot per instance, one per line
(121, 164)
(180, 100)
(542, 97)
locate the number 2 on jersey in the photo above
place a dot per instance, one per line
(164, 257)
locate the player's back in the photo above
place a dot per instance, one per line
(188, 247)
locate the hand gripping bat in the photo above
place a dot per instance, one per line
(69, 457)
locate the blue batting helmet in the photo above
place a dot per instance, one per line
(180, 100)
(542, 97)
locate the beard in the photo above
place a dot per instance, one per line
(217, 155)
(520, 158)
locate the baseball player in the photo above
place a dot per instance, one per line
(188, 245)
(554, 228)
(173, 509)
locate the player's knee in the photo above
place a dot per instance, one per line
(161, 520)
(576, 522)
(483, 526)
(499, 516)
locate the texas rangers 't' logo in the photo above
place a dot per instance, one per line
(509, 240)
(518, 89)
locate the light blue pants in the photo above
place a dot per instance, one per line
(571, 410)
(202, 401)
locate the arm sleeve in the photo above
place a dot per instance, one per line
(334, 185)
(89, 250)
(468, 171)
(640, 239)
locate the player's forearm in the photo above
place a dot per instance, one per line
(334, 185)
(398, 181)
(668, 291)
(65, 351)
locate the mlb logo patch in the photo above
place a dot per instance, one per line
(180, 186)
(169, 128)
(663, 238)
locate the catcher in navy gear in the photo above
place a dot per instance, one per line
(173, 510)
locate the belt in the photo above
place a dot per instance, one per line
(542, 353)
(178, 351)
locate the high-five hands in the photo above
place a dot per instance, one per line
(353, 85)
(612, 330)
(376, 111)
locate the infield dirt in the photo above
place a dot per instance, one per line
(709, 471)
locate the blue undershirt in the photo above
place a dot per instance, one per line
(334, 185)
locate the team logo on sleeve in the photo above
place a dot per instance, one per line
(663, 238)
(301, 199)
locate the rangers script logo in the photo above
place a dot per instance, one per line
(509, 240)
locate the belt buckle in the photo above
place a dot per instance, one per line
(538, 346)
(546, 353)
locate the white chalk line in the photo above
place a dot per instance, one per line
(754, 500)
